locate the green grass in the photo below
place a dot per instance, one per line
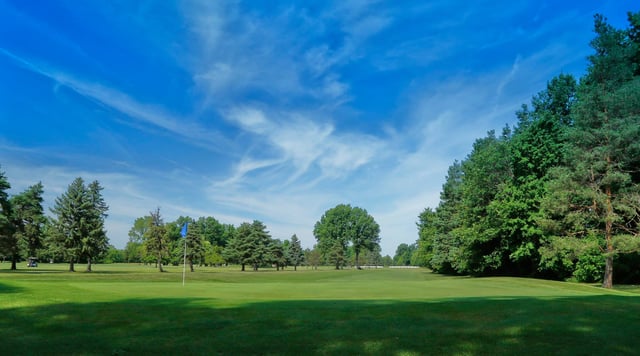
(120, 309)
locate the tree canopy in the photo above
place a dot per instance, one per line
(343, 225)
(557, 195)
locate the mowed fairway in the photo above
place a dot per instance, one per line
(135, 310)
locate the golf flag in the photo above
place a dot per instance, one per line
(183, 232)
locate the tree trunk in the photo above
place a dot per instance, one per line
(243, 267)
(71, 266)
(191, 265)
(608, 272)
(14, 262)
(357, 259)
(159, 262)
(295, 267)
(89, 264)
(608, 269)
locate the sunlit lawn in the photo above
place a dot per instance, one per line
(120, 309)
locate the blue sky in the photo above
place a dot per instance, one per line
(271, 110)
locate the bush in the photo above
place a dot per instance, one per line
(590, 267)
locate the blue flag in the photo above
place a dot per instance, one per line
(183, 232)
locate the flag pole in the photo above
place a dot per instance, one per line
(183, 232)
(184, 265)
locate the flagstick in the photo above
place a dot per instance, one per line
(184, 265)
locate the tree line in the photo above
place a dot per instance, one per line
(74, 233)
(345, 235)
(558, 195)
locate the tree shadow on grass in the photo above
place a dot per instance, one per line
(580, 325)
(6, 288)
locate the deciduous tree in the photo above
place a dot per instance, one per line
(342, 225)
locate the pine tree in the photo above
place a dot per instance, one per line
(155, 238)
(296, 254)
(596, 195)
(95, 242)
(28, 219)
(78, 229)
(195, 246)
(8, 240)
(73, 215)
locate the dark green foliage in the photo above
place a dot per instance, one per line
(332, 233)
(8, 240)
(560, 194)
(437, 246)
(95, 242)
(21, 222)
(343, 225)
(78, 229)
(195, 248)
(156, 242)
(28, 222)
(29, 214)
(595, 194)
(251, 245)
(276, 254)
(295, 253)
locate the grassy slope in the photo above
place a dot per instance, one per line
(134, 310)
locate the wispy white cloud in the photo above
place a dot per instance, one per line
(125, 104)
(297, 144)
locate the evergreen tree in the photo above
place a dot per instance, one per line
(596, 195)
(258, 245)
(95, 241)
(8, 239)
(249, 246)
(195, 245)
(155, 238)
(296, 254)
(73, 213)
(437, 245)
(28, 220)
(276, 254)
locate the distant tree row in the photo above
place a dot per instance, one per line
(558, 195)
(151, 240)
(208, 243)
(342, 232)
(75, 233)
